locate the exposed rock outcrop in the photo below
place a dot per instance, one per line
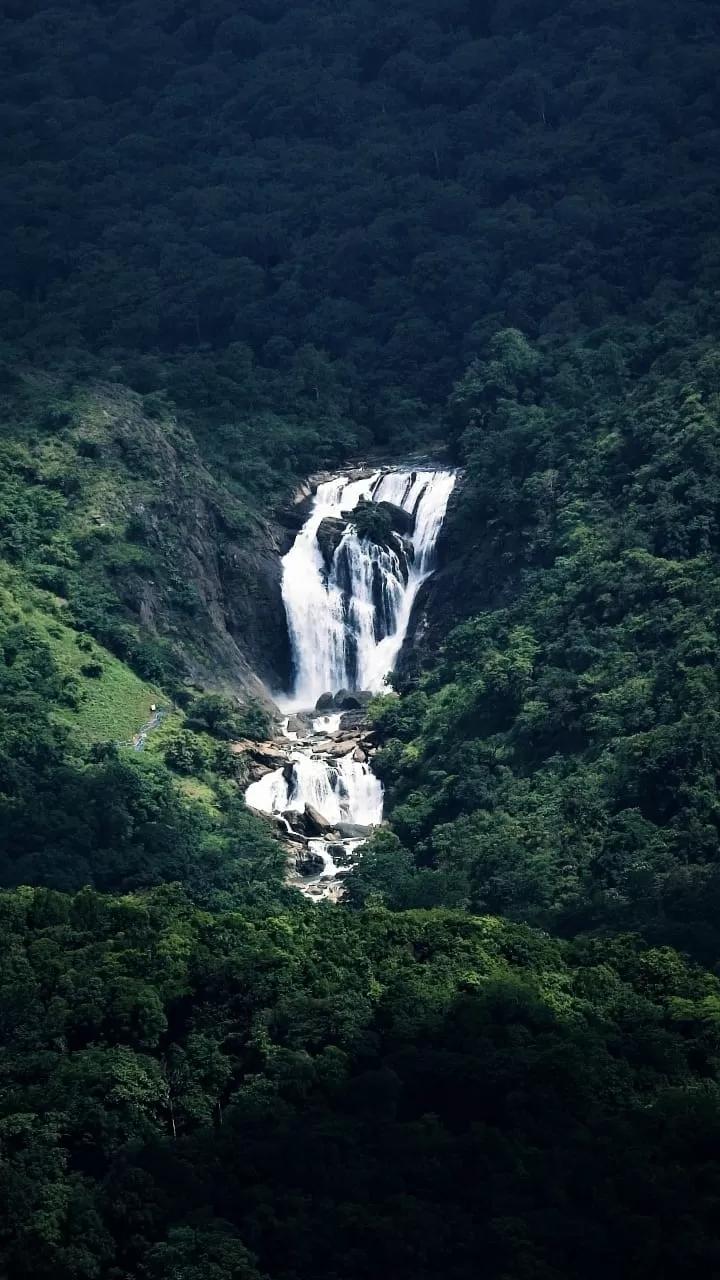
(352, 700)
(309, 864)
(265, 753)
(329, 536)
(346, 700)
(212, 582)
(319, 824)
(401, 521)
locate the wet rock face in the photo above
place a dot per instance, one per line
(353, 720)
(250, 591)
(294, 514)
(401, 521)
(316, 821)
(309, 864)
(329, 536)
(339, 854)
(345, 700)
(352, 700)
(296, 724)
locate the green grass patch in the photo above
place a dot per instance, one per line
(199, 791)
(114, 703)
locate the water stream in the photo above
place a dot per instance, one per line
(348, 610)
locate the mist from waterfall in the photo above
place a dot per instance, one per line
(347, 622)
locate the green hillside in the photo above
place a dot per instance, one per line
(241, 243)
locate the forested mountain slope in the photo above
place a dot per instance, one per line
(315, 215)
(320, 1092)
(558, 762)
(240, 243)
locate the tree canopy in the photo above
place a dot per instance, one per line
(240, 243)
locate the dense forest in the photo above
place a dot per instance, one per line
(241, 241)
(314, 216)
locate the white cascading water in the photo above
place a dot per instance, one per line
(343, 792)
(347, 624)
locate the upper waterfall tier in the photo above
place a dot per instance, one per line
(347, 620)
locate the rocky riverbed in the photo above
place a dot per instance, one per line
(313, 783)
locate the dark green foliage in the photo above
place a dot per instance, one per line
(383, 187)
(92, 669)
(114, 820)
(186, 753)
(295, 226)
(215, 714)
(373, 523)
(316, 1092)
(254, 721)
(559, 762)
(224, 719)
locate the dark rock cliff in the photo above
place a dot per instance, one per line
(209, 581)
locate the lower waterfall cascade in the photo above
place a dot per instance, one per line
(348, 601)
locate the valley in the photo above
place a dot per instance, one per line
(359, 640)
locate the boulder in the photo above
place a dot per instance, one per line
(309, 864)
(344, 700)
(341, 856)
(338, 853)
(363, 696)
(353, 720)
(260, 813)
(293, 514)
(262, 752)
(359, 756)
(401, 520)
(316, 821)
(325, 702)
(329, 536)
(291, 837)
(340, 749)
(304, 824)
(352, 830)
(279, 826)
(296, 725)
(258, 771)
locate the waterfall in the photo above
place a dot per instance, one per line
(346, 792)
(347, 621)
(348, 604)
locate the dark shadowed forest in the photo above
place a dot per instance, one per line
(241, 241)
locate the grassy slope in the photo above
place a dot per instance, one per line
(111, 525)
(113, 705)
